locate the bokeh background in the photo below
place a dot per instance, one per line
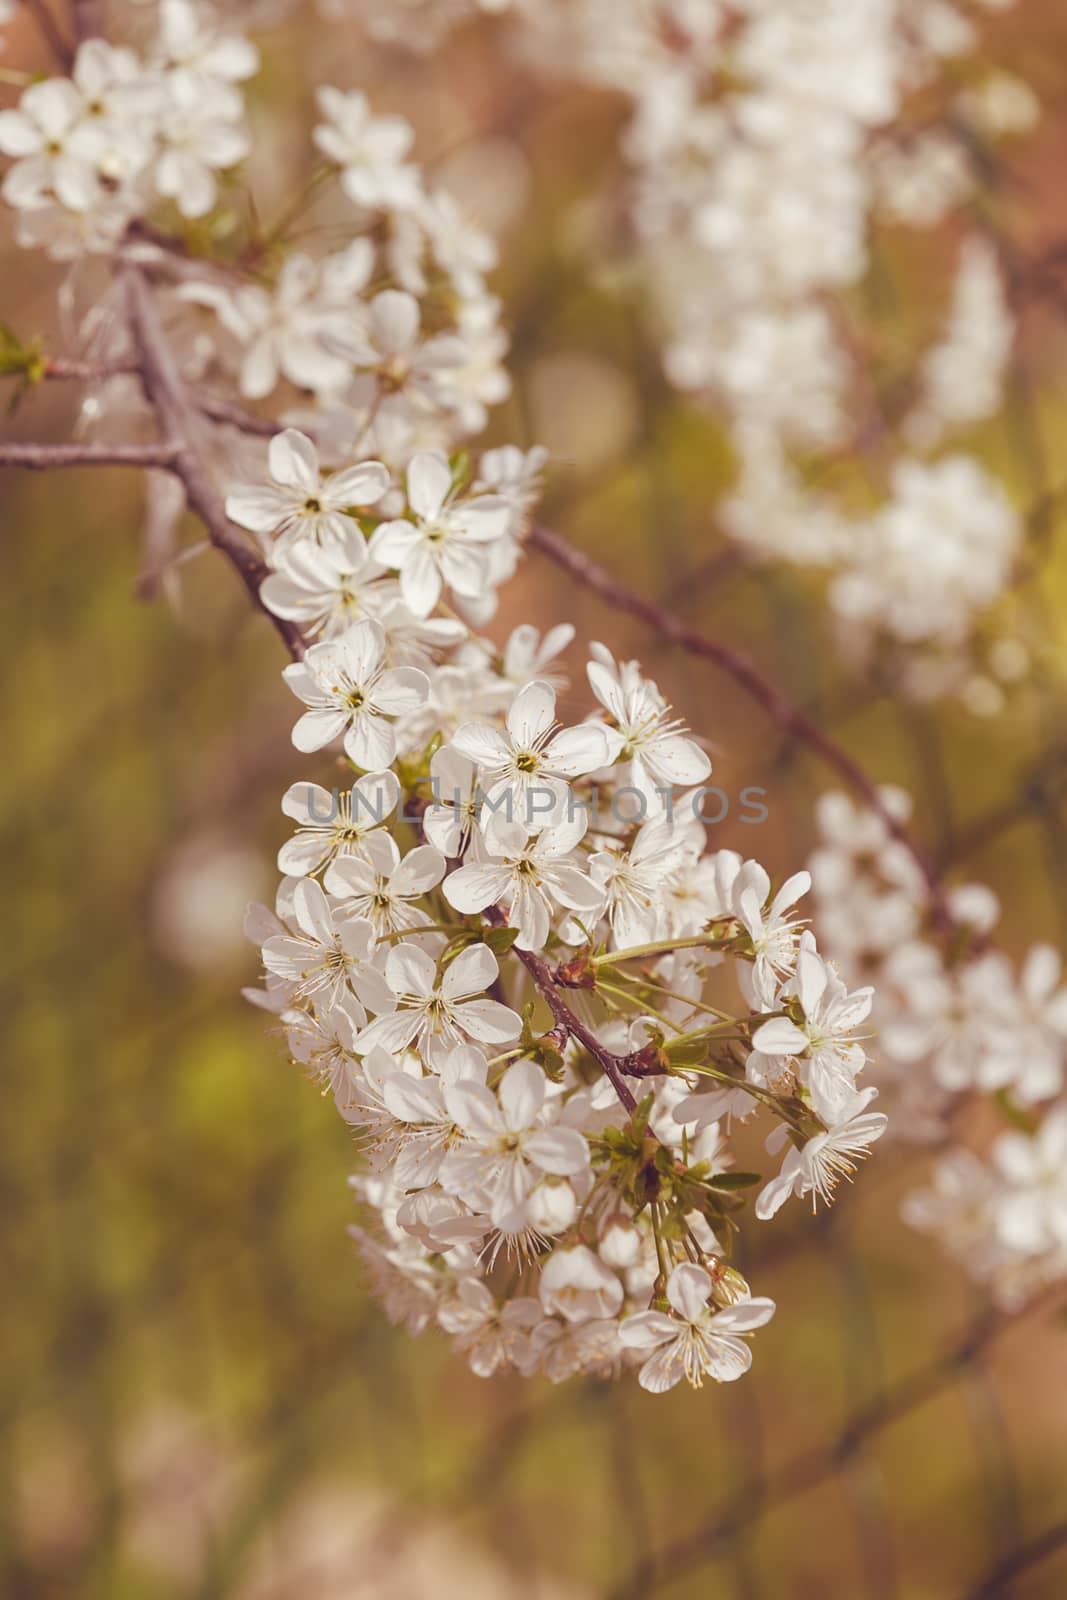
(198, 1396)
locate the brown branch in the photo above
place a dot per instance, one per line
(743, 670)
(46, 22)
(175, 410)
(64, 367)
(234, 416)
(1028, 1555)
(813, 1468)
(37, 457)
(215, 408)
(87, 19)
(568, 1024)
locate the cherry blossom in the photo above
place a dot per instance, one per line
(532, 876)
(327, 953)
(435, 1008)
(338, 824)
(300, 504)
(526, 767)
(348, 691)
(445, 544)
(694, 1341)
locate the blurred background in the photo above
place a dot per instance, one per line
(198, 1396)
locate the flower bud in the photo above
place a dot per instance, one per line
(620, 1242)
(552, 1207)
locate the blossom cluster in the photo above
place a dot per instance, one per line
(520, 1203)
(770, 155)
(497, 949)
(955, 1021)
(502, 942)
(95, 151)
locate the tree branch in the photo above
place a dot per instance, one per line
(64, 368)
(233, 416)
(812, 1468)
(1020, 1561)
(166, 393)
(37, 457)
(46, 22)
(743, 670)
(87, 19)
(566, 1021)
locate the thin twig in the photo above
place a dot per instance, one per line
(234, 416)
(87, 19)
(66, 367)
(815, 1467)
(566, 1021)
(1020, 1561)
(46, 22)
(743, 670)
(38, 457)
(211, 406)
(166, 392)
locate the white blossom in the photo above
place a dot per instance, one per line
(349, 691)
(693, 1341)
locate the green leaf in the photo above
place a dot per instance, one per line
(734, 1180)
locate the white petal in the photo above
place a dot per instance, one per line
(472, 972)
(420, 580)
(561, 1151)
(677, 760)
(361, 649)
(532, 713)
(313, 912)
(429, 482)
(370, 742)
(393, 542)
(779, 1037)
(421, 870)
(481, 743)
(488, 1022)
(579, 750)
(647, 1330)
(18, 135)
(472, 888)
(400, 691)
(410, 971)
(393, 1033)
(744, 1316)
(473, 1108)
(309, 803)
(294, 461)
(359, 486)
(318, 728)
(688, 1290)
(773, 1196)
(259, 510)
(522, 1094)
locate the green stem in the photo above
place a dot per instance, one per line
(664, 1270)
(635, 1000)
(672, 994)
(699, 941)
(430, 927)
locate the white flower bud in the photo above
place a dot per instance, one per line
(620, 1243)
(552, 1207)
